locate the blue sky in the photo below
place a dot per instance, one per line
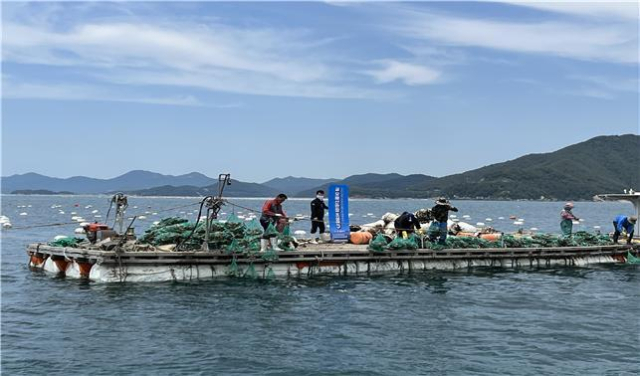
(324, 89)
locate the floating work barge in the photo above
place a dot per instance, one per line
(334, 259)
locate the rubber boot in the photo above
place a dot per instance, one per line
(274, 244)
(264, 245)
(314, 241)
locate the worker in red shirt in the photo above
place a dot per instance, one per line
(272, 213)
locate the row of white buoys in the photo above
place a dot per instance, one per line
(24, 206)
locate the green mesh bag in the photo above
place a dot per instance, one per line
(250, 272)
(253, 228)
(412, 242)
(271, 231)
(286, 241)
(270, 274)
(234, 269)
(378, 243)
(397, 244)
(631, 259)
(269, 255)
(234, 247)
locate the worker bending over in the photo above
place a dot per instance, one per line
(272, 213)
(624, 223)
(406, 222)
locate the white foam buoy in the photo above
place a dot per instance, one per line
(581, 220)
(533, 229)
(453, 216)
(23, 213)
(300, 233)
(500, 217)
(141, 217)
(79, 230)
(94, 211)
(488, 219)
(60, 212)
(155, 223)
(73, 213)
(58, 237)
(84, 224)
(6, 225)
(480, 224)
(135, 207)
(517, 223)
(97, 216)
(154, 213)
(88, 207)
(466, 216)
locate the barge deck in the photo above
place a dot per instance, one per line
(334, 259)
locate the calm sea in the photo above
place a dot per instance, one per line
(483, 321)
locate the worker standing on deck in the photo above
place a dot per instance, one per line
(440, 214)
(624, 223)
(406, 222)
(566, 224)
(272, 213)
(317, 215)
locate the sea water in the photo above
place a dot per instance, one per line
(480, 321)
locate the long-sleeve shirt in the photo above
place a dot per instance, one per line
(406, 222)
(567, 214)
(441, 212)
(622, 223)
(271, 208)
(317, 209)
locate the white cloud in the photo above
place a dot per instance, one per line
(209, 56)
(615, 42)
(410, 74)
(15, 90)
(626, 10)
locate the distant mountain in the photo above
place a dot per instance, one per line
(601, 164)
(39, 192)
(292, 185)
(380, 185)
(132, 180)
(236, 189)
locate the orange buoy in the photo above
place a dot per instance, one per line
(360, 237)
(491, 237)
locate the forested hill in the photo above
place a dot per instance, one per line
(599, 165)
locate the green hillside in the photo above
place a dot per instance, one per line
(599, 165)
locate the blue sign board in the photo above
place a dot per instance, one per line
(339, 212)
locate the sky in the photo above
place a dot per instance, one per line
(314, 89)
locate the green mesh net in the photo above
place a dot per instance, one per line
(270, 273)
(397, 243)
(234, 269)
(271, 231)
(250, 272)
(631, 259)
(285, 241)
(378, 243)
(269, 255)
(66, 242)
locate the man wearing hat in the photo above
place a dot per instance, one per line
(624, 223)
(566, 224)
(440, 214)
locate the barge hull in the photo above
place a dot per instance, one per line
(112, 266)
